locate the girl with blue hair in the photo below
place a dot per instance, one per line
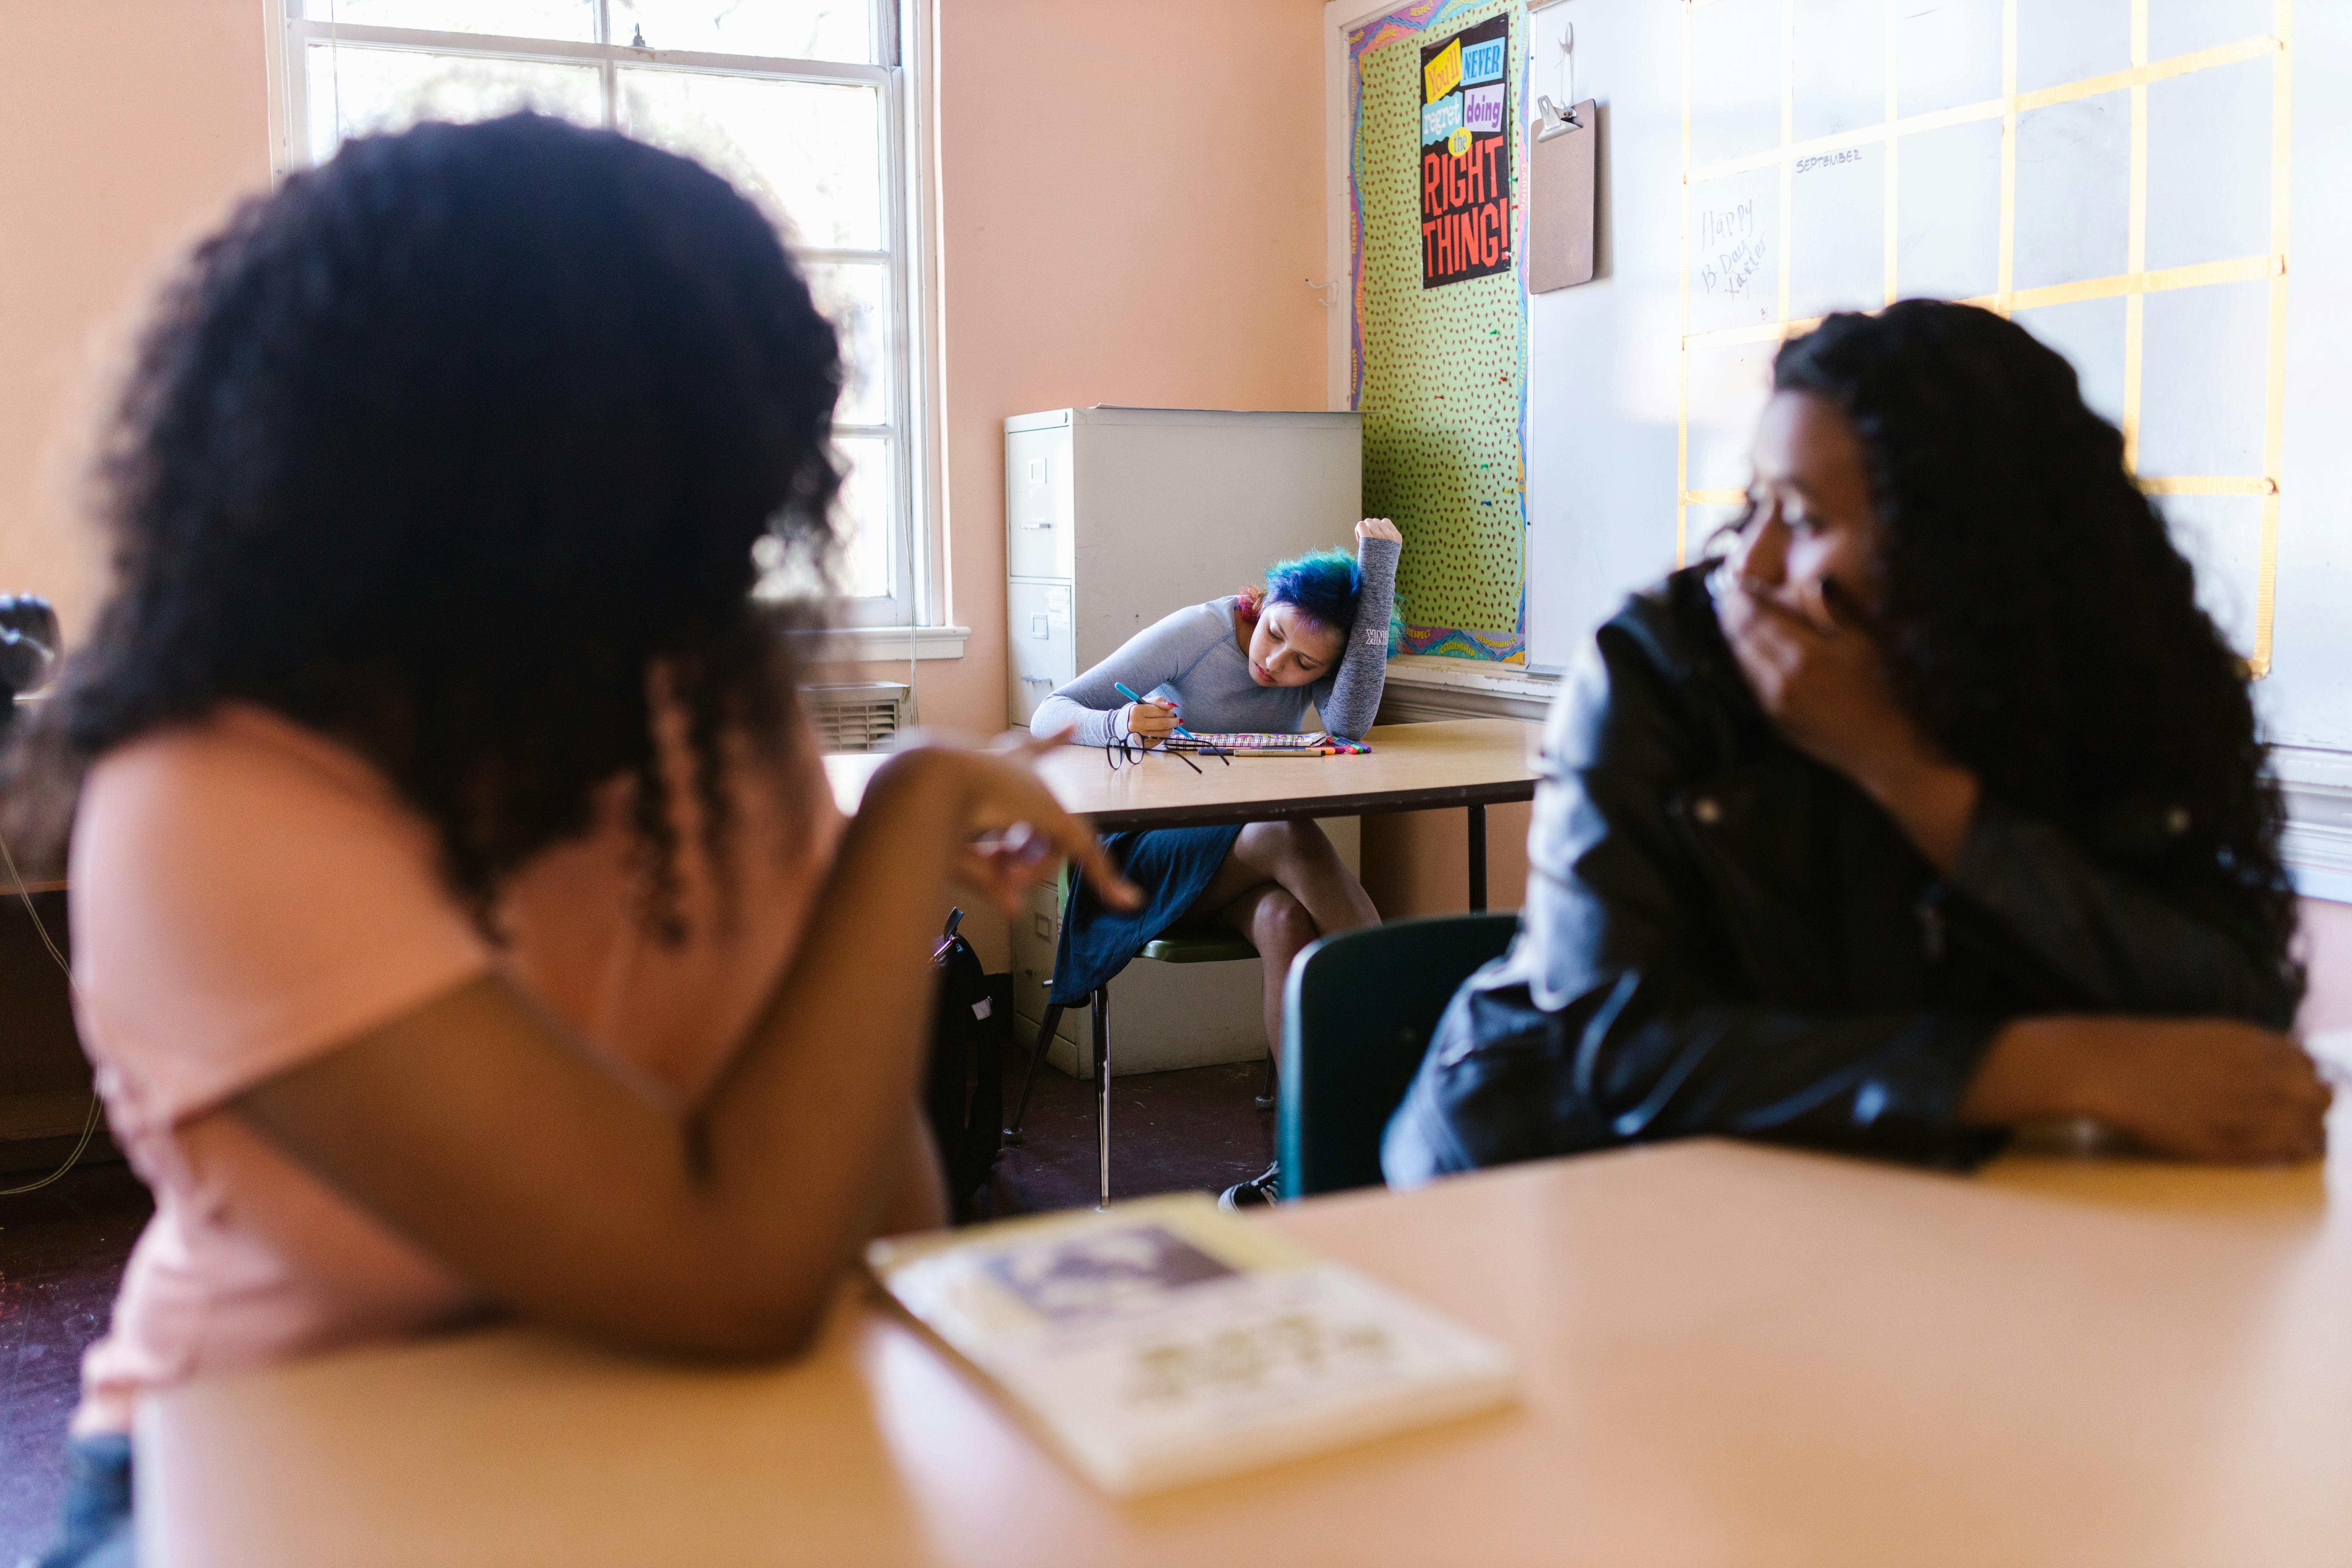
(1317, 635)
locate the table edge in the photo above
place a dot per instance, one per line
(1344, 803)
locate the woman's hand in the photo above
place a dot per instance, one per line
(2197, 1089)
(1377, 528)
(1150, 722)
(1012, 830)
(1005, 863)
(1822, 681)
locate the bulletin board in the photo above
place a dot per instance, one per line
(2086, 147)
(1438, 340)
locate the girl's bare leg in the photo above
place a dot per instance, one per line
(1282, 885)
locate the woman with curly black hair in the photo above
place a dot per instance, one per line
(461, 922)
(1934, 806)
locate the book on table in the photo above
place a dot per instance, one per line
(1163, 1341)
(1266, 743)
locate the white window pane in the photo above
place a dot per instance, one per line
(574, 20)
(354, 91)
(854, 296)
(808, 153)
(796, 29)
(865, 513)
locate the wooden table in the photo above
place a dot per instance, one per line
(1472, 762)
(1733, 1356)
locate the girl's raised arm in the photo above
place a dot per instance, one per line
(1353, 695)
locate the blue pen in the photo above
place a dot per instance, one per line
(1121, 687)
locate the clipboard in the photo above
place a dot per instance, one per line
(1561, 169)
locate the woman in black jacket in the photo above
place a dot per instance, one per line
(1934, 806)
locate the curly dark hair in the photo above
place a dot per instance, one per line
(454, 450)
(2039, 625)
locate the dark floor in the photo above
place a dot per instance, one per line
(1170, 1133)
(62, 1248)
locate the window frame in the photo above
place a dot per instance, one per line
(914, 595)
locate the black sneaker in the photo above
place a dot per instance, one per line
(1256, 1193)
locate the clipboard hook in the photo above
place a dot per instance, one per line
(1558, 122)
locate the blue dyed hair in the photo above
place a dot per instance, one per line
(1327, 586)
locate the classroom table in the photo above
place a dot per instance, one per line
(1471, 763)
(1732, 1354)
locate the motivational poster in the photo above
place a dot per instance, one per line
(1466, 156)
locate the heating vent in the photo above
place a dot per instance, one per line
(860, 716)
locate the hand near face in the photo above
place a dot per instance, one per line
(1379, 528)
(1823, 682)
(1826, 688)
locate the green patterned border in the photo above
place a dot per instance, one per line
(1439, 372)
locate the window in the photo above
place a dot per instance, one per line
(801, 103)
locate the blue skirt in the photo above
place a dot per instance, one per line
(1173, 866)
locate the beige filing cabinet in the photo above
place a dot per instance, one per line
(1113, 517)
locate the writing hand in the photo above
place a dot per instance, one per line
(1150, 722)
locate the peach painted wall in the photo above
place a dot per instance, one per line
(1418, 862)
(127, 129)
(1130, 200)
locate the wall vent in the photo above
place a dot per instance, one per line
(858, 716)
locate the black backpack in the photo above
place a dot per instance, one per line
(963, 1092)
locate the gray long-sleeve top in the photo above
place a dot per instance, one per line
(1192, 659)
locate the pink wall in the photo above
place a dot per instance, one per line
(1130, 201)
(127, 129)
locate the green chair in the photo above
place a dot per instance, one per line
(1181, 943)
(1357, 1013)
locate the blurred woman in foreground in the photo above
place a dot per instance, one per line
(461, 922)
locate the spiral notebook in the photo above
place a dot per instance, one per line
(1248, 744)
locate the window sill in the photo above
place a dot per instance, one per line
(2317, 842)
(1421, 688)
(885, 644)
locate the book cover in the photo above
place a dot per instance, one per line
(1162, 1341)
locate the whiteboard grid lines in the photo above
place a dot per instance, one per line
(2135, 244)
(1788, 140)
(1682, 399)
(2133, 285)
(1894, 13)
(2274, 402)
(2004, 107)
(2005, 284)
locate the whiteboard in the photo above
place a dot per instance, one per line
(2134, 201)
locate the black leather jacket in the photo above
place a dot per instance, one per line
(1723, 936)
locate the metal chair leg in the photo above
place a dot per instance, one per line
(1477, 860)
(1029, 1078)
(1102, 1089)
(1266, 1095)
